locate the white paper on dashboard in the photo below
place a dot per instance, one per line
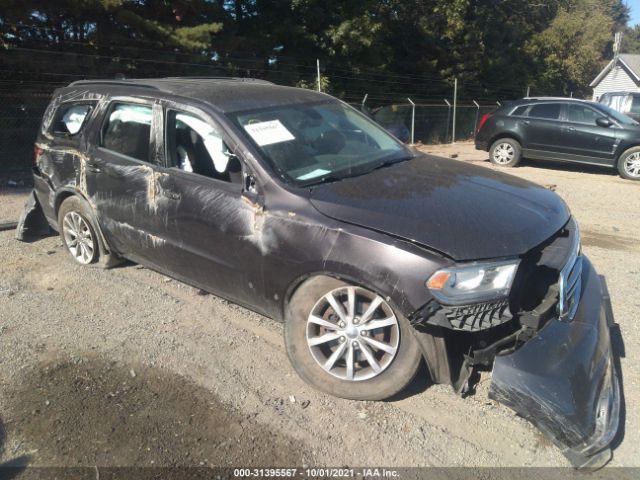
(316, 173)
(267, 133)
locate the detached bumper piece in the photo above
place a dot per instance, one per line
(564, 379)
(32, 222)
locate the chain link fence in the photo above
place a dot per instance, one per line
(30, 77)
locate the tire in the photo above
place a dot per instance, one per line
(629, 164)
(505, 152)
(363, 382)
(75, 223)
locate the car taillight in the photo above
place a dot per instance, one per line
(37, 151)
(483, 120)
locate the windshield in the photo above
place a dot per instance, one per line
(617, 116)
(314, 143)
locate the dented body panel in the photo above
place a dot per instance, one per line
(389, 230)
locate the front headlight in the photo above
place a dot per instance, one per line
(473, 283)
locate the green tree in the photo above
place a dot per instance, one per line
(631, 40)
(574, 48)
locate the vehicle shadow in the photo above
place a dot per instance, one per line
(14, 467)
(569, 167)
(420, 383)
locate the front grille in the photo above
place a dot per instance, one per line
(571, 281)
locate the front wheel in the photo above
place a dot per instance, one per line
(629, 164)
(348, 341)
(505, 152)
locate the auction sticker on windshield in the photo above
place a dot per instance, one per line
(267, 133)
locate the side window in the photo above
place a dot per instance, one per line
(549, 111)
(635, 105)
(196, 146)
(582, 114)
(519, 111)
(617, 102)
(70, 118)
(128, 130)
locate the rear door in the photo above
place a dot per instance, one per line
(542, 130)
(584, 139)
(121, 176)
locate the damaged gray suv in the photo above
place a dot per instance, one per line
(377, 258)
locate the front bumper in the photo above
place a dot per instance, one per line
(564, 380)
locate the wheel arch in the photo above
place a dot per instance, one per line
(624, 147)
(66, 192)
(302, 280)
(511, 135)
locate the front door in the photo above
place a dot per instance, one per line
(217, 230)
(584, 138)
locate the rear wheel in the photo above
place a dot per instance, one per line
(505, 152)
(77, 232)
(348, 341)
(629, 164)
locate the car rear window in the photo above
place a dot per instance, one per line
(71, 118)
(550, 111)
(128, 130)
(519, 111)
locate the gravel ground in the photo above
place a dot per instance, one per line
(127, 367)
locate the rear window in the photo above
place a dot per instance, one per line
(71, 118)
(549, 111)
(519, 111)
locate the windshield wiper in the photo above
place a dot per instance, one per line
(356, 172)
(388, 163)
(325, 179)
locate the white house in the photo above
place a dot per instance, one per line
(622, 74)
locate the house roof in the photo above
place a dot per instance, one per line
(628, 61)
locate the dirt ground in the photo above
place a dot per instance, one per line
(127, 367)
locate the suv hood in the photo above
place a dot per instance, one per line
(464, 211)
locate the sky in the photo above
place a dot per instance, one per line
(634, 6)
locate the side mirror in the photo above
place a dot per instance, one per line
(603, 122)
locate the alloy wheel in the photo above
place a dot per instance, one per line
(503, 153)
(78, 237)
(632, 165)
(353, 333)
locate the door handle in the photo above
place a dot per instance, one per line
(171, 194)
(94, 165)
(526, 122)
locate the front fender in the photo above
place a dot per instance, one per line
(300, 249)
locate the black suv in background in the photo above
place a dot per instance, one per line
(561, 129)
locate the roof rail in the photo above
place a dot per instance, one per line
(112, 82)
(554, 98)
(233, 79)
